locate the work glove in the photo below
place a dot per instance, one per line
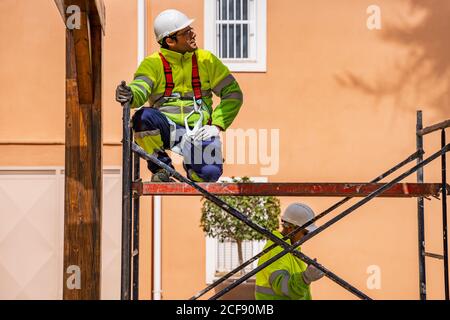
(206, 133)
(124, 93)
(312, 274)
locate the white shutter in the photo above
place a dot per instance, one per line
(227, 255)
(32, 233)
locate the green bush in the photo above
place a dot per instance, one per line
(262, 210)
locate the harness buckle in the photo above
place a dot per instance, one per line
(173, 96)
(199, 124)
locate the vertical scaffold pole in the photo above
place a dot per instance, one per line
(444, 215)
(421, 213)
(136, 206)
(126, 206)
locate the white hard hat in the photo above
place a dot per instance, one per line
(298, 214)
(170, 21)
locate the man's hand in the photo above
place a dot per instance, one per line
(123, 93)
(206, 133)
(312, 274)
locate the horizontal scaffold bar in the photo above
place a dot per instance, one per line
(439, 126)
(399, 190)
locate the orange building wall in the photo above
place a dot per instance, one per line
(321, 63)
(343, 97)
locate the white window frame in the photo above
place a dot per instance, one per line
(257, 52)
(212, 244)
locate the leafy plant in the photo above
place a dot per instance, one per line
(263, 210)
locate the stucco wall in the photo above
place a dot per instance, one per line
(343, 97)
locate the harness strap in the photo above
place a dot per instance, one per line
(196, 83)
(169, 78)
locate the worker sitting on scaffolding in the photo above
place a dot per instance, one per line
(178, 82)
(288, 278)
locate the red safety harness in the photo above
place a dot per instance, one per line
(196, 83)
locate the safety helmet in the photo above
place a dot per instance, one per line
(170, 21)
(298, 214)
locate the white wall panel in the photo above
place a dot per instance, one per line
(32, 233)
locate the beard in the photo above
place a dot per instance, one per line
(192, 46)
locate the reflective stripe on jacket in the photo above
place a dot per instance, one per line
(281, 280)
(149, 85)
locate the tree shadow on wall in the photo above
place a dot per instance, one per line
(422, 75)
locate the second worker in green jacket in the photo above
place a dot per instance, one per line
(178, 82)
(288, 278)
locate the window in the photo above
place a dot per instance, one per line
(222, 257)
(235, 31)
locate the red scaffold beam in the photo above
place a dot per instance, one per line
(399, 190)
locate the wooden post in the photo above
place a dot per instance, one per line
(83, 162)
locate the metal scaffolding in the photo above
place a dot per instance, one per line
(133, 188)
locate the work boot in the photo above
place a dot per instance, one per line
(162, 176)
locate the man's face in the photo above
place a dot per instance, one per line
(184, 42)
(299, 235)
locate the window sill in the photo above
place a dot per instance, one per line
(251, 280)
(245, 66)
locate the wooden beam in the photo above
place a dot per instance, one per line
(61, 9)
(98, 14)
(89, 18)
(97, 10)
(83, 161)
(83, 61)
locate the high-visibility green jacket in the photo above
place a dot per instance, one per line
(281, 280)
(149, 85)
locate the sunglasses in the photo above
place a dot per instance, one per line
(188, 32)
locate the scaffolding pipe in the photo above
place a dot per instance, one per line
(125, 283)
(136, 209)
(412, 157)
(421, 214)
(435, 127)
(290, 189)
(444, 215)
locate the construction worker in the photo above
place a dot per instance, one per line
(288, 278)
(178, 82)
